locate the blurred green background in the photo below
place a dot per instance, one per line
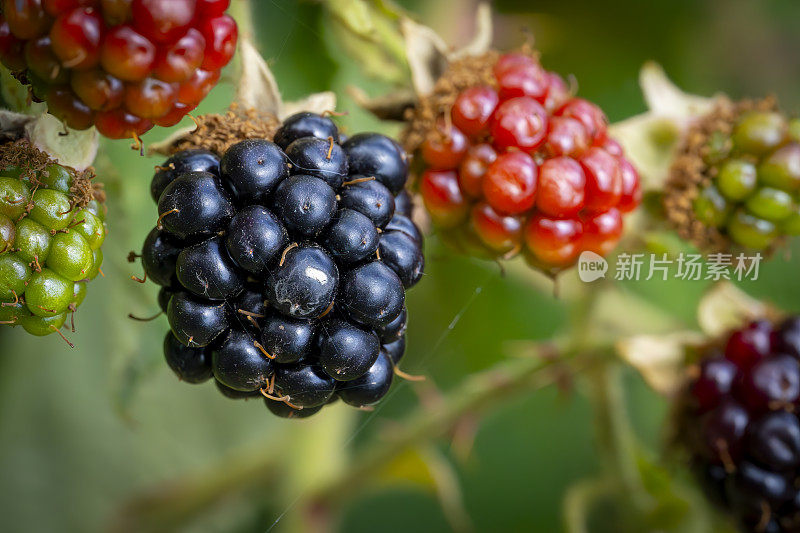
(84, 430)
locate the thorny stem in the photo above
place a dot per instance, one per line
(614, 436)
(578, 500)
(477, 394)
(615, 439)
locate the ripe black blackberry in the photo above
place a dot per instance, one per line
(738, 420)
(284, 265)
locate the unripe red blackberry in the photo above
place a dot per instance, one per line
(51, 230)
(738, 422)
(736, 181)
(509, 162)
(285, 264)
(121, 66)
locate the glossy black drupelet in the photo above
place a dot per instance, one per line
(372, 294)
(372, 154)
(369, 197)
(322, 158)
(305, 124)
(206, 270)
(159, 256)
(288, 339)
(252, 169)
(401, 253)
(305, 204)
(194, 204)
(304, 385)
(192, 365)
(372, 386)
(284, 265)
(351, 237)
(305, 284)
(180, 163)
(346, 351)
(195, 321)
(255, 239)
(239, 364)
(738, 420)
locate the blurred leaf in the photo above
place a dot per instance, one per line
(726, 307)
(407, 466)
(676, 509)
(659, 358)
(370, 36)
(426, 53)
(482, 39)
(664, 98)
(650, 138)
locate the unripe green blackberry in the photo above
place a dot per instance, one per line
(51, 230)
(735, 183)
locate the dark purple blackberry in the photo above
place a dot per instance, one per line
(284, 265)
(250, 303)
(403, 204)
(406, 225)
(196, 321)
(282, 410)
(304, 284)
(394, 329)
(351, 237)
(402, 253)
(303, 385)
(372, 294)
(164, 296)
(288, 339)
(395, 349)
(738, 420)
(159, 256)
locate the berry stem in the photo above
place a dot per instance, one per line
(614, 436)
(477, 394)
